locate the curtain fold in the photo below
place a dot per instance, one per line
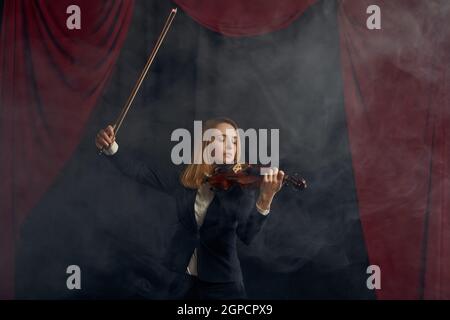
(50, 80)
(236, 18)
(396, 96)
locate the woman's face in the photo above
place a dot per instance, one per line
(226, 145)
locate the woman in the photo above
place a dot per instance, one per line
(204, 244)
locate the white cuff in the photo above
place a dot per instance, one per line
(263, 212)
(112, 149)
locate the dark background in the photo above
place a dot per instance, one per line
(115, 229)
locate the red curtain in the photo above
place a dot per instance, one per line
(396, 96)
(244, 18)
(50, 79)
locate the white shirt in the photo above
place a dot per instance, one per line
(203, 199)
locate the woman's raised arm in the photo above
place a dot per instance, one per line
(132, 166)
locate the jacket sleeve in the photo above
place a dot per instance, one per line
(143, 170)
(250, 220)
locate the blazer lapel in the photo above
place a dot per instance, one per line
(188, 205)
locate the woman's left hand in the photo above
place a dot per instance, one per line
(270, 185)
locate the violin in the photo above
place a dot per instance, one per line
(246, 175)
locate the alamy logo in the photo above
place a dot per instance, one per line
(74, 20)
(374, 280)
(208, 147)
(74, 280)
(374, 20)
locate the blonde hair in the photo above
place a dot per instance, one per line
(193, 174)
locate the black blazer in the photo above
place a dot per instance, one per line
(230, 213)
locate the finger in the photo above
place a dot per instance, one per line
(110, 130)
(103, 142)
(266, 178)
(281, 175)
(111, 136)
(275, 174)
(106, 137)
(270, 175)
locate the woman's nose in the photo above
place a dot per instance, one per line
(228, 145)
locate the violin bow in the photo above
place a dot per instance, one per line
(144, 72)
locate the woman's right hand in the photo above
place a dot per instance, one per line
(105, 137)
